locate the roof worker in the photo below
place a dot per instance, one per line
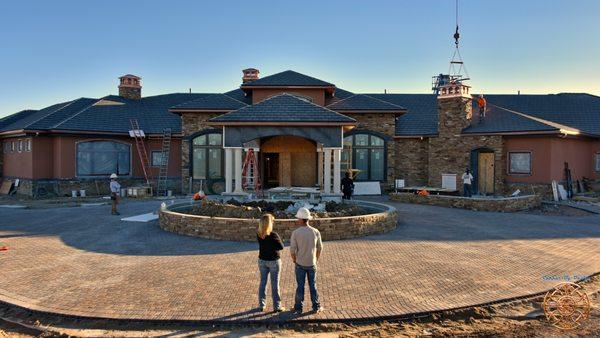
(481, 103)
(115, 188)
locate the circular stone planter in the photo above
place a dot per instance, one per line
(381, 218)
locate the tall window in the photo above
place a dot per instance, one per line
(597, 162)
(367, 155)
(207, 157)
(99, 158)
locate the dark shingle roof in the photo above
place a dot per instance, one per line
(421, 117)
(573, 110)
(499, 120)
(239, 95)
(85, 114)
(288, 78)
(365, 103)
(283, 108)
(216, 102)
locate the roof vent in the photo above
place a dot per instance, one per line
(250, 74)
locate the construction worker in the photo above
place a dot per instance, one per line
(115, 188)
(347, 186)
(481, 103)
(467, 181)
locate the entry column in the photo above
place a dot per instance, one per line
(238, 169)
(228, 170)
(327, 171)
(337, 158)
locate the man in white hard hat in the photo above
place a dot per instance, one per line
(305, 248)
(115, 188)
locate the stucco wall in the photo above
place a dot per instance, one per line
(17, 164)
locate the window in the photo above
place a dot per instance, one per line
(28, 145)
(519, 162)
(207, 157)
(367, 154)
(99, 158)
(12, 146)
(20, 148)
(597, 162)
(156, 158)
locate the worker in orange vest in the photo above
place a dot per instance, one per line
(481, 103)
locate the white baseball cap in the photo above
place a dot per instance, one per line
(113, 176)
(303, 213)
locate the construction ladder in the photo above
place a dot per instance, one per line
(161, 185)
(138, 135)
(250, 173)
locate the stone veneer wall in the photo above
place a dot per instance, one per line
(412, 161)
(92, 187)
(191, 123)
(384, 124)
(239, 229)
(505, 204)
(450, 151)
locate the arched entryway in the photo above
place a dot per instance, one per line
(288, 161)
(482, 168)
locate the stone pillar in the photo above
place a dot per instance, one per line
(237, 152)
(228, 170)
(337, 158)
(327, 171)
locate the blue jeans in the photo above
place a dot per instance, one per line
(467, 190)
(266, 268)
(303, 273)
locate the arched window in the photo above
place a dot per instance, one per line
(100, 158)
(207, 156)
(367, 154)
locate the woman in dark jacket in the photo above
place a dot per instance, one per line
(269, 261)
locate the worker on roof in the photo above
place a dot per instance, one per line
(481, 103)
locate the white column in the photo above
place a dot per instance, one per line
(337, 158)
(320, 168)
(327, 171)
(228, 169)
(237, 152)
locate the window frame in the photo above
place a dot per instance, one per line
(509, 160)
(129, 145)
(20, 146)
(152, 153)
(206, 146)
(369, 149)
(28, 145)
(597, 162)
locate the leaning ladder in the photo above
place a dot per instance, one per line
(250, 173)
(138, 135)
(161, 185)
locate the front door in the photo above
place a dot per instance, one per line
(270, 167)
(485, 173)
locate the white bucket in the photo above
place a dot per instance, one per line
(123, 192)
(73, 193)
(169, 193)
(82, 193)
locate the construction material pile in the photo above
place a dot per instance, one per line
(281, 209)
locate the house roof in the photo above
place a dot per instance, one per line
(421, 117)
(87, 115)
(284, 108)
(211, 102)
(501, 120)
(288, 78)
(363, 102)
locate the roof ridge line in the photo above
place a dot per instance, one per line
(380, 100)
(235, 99)
(79, 112)
(332, 103)
(314, 104)
(540, 120)
(52, 112)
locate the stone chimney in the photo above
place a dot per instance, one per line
(130, 87)
(250, 74)
(449, 152)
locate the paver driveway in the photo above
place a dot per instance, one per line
(82, 261)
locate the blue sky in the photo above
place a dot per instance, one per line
(54, 51)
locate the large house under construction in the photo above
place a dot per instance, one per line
(304, 132)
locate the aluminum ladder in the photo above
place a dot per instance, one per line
(161, 184)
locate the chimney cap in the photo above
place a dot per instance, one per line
(130, 76)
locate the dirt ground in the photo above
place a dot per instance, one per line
(558, 210)
(522, 318)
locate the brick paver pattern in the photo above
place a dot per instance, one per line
(83, 261)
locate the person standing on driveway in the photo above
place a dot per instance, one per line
(269, 262)
(115, 188)
(305, 248)
(347, 186)
(467, 181)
